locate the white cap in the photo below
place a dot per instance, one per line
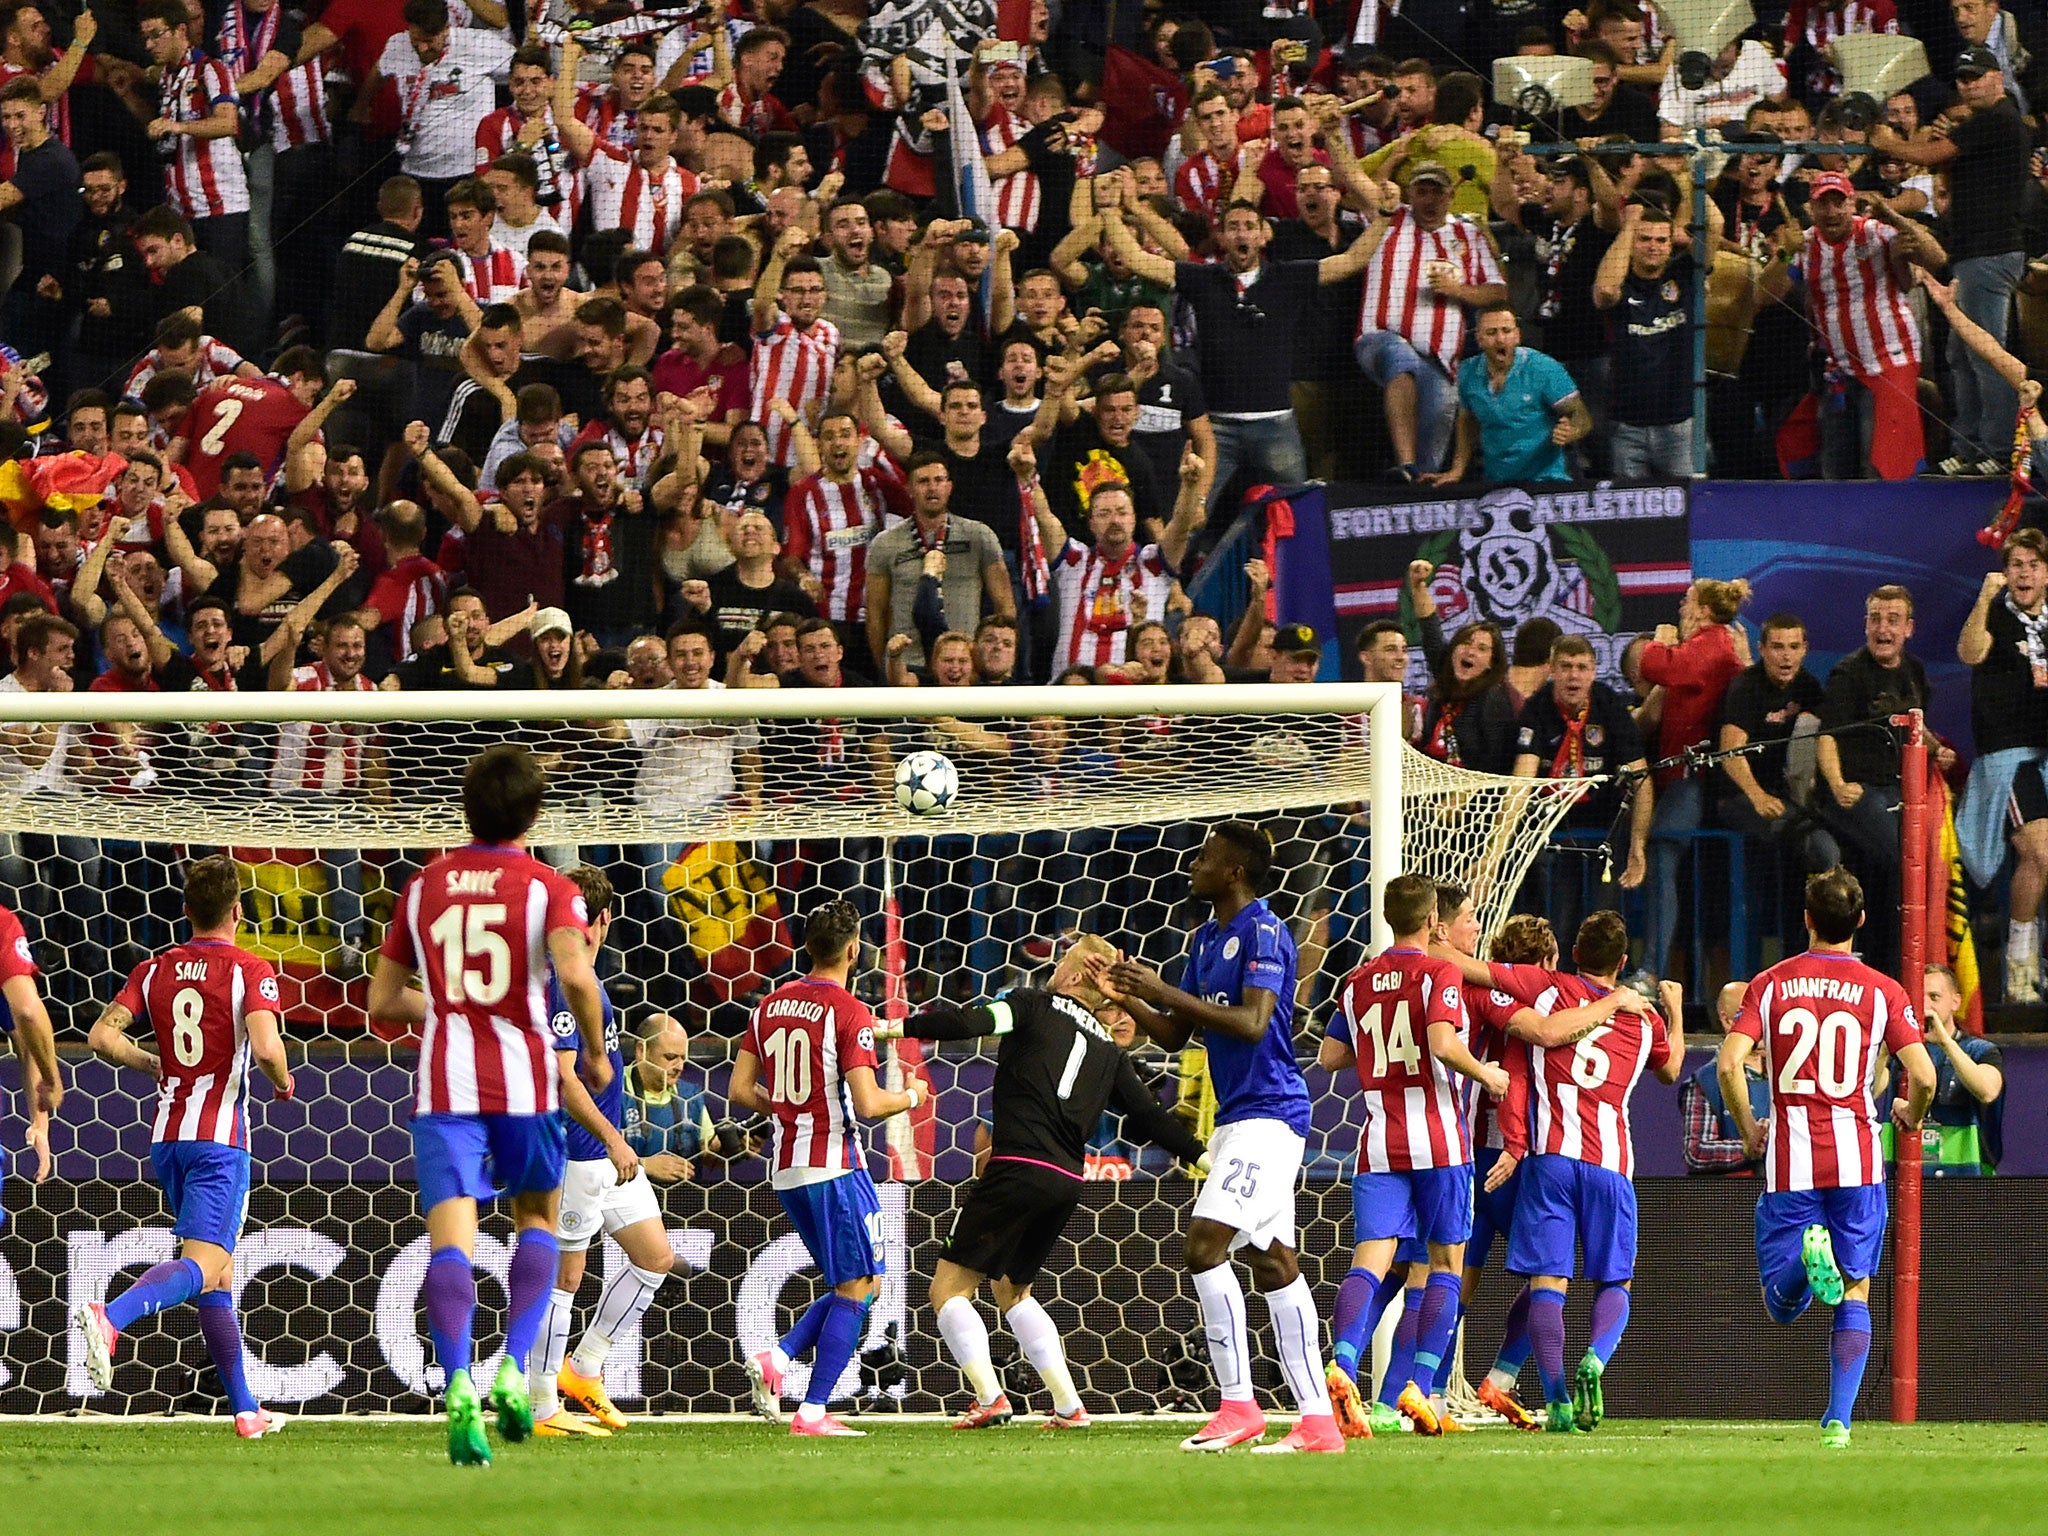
(550, 621)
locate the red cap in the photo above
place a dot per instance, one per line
(1831, 181)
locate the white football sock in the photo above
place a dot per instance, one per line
(624, 1301)
(1223, 1321)
(554, 1342)
(1298, 1333)
(966, 1335)
(2020, 945)
(1040, 1341)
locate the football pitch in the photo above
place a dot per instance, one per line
(195, 1479)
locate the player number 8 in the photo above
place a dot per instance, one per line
(188, 1040)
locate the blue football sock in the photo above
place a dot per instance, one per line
(1401, 1357)
(223, 1334)
(1787, 1293)
(1850, 1352)
(1546, 1341)
(529, 1283)
(163, 1285)
(802, 1337)
(1351, 1322)
(1610, 1319)
(1433, 1327)
(838, 1338)
(1514, 1342)
(451, 1308)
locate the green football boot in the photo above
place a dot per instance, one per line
(1562, 1421)
(1588, 1405)
(515, 1407)
(1817, 1250)
(1834, 1436)
(1384, 1418)
(468, 1446)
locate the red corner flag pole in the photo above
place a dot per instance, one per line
(1913, 926)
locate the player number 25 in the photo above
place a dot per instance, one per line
(1818, 1042)
(188, 1040)
(466, 934)
(1242, 1179)
(789, 1062)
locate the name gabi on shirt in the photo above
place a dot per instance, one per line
(1828, 989)
(473, 882)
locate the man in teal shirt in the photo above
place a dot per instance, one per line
(667, 1121)
(1518, 407)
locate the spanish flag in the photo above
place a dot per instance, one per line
(1947, 896)
(62, 482)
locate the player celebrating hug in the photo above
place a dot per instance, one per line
(1057, 1068)
(1240, 995)
(1821, 1018)
(212, 1007)
(1414, 1177)
(808, 1060)
(479, 926)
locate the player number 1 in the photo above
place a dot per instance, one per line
(1074, 1058)
(188, 1040)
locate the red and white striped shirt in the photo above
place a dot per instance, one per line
(498, 134)
(635, 456)
(204, 179)
(1857, 302)
(791, 365)
(829, 524)
(1820, 1019)
(599, 110)
(197, 997)
(1202, 184)
(1098, 599)
(1397, 298)
(298, 108)
(495, 276)
(320, 758)
(1818, 23)
(1579, 1093)
(1019, 197)
(1492, 1124)
(405, 593)
(623, 195)
(808, 1034)
(474, 924)
(217, 360)
(1412, 1115)
(759, 114)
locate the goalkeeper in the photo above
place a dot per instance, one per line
(1057, 1069)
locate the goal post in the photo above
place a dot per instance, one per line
(721, 818)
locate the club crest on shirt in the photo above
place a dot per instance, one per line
(1595, 735)
(1230, 947)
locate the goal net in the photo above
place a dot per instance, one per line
(721, 818)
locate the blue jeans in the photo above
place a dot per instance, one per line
(1652, 453)
(1678, 812)
(259, 165)
(1383, 356)
(1270, 447)
(1985, 404)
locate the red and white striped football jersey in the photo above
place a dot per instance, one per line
(1817, 23)
(16, 958)
(1820, 1019)
(1495, 1122)
(1578, 1094)
(757, 114)
(599, 110)
(203, 179)
(495, 276)
(635, 456)
(474, 924)
(498, 134)
(217, 360)
(1019, 196)
(319, 757)
(297, 108)
(405, 593)
(1413, 1118)
(1202, 184)
(828, 525)
(197, 997)
(624, 195)
(1099, 604)
(807, 1035)
(1398, 300)
(791, 365)
(1857, 302)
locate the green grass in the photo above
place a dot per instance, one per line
(725, 1479)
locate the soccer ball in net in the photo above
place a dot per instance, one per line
(927, 784)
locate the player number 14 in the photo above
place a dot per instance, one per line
(1393, 1038)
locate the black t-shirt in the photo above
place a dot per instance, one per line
(1779, 337)
(201, 282)
(1245, 340)
(1986, 179)
(1330, 319)
(1631, 111)
(47, 179)
(1167, 402)
(434, 343)
(941, 360)
(1763, 711)
(1860, 690)
(1568, 256)
(365, 272)
(737, 608)
(1078, 457)
(208, 756)
(722, 488)
(1608, 740)
(984, 488)
(1650, 340)
(2009, 687)
(1057, 1070)
(580, 389)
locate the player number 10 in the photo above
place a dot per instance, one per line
(789, 1061)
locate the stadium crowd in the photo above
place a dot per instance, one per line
(451, 349)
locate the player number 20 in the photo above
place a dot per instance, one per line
(188, 1039)
(789, 1058)
(468, 934)
(1821, 1043)
(1393, 1038)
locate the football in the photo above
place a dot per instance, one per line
(927, 784)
